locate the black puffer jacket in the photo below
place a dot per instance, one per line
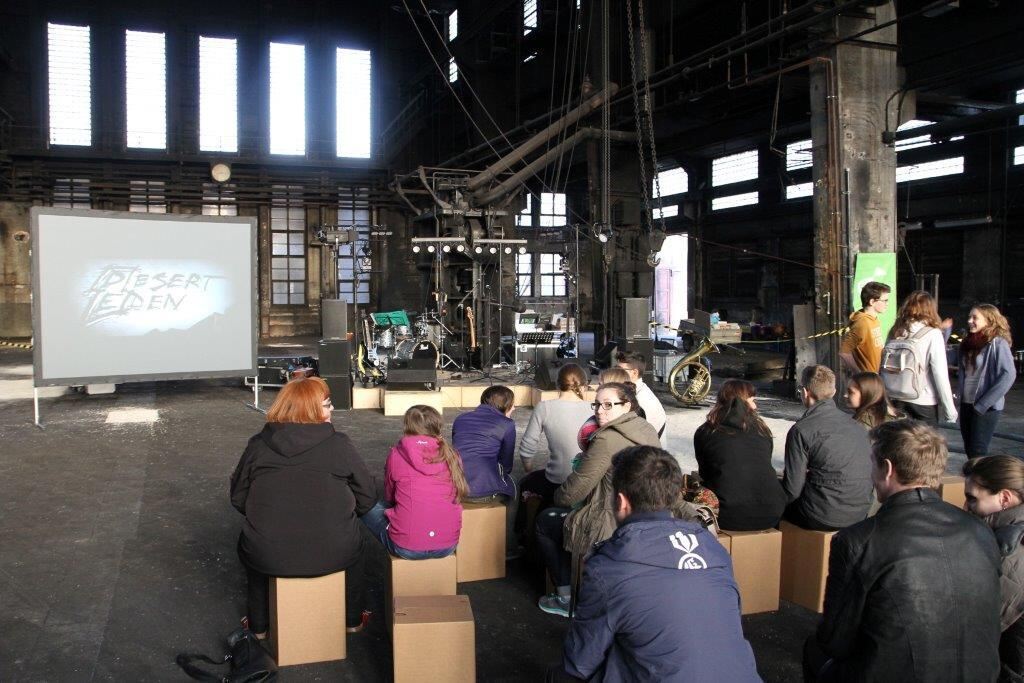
(1009, 528)
(736, 464)
(301, 487)
(912, 595)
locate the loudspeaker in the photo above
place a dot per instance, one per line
(335, 357)
(636, 318)
(624, 283)
(546, 376)
(402, 377)
(645, 283)
(334, 318)
(341, 390)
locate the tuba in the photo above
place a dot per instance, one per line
(690, 379)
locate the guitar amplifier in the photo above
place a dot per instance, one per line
(403, 377)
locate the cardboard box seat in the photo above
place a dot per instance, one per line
(804, 565)
(756, 564)
(418, 577)
(307, 619)
(480, 554)
(434, 639)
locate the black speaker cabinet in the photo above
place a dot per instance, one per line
(403, 377)
(335, 357)
(341, 390)
(334, 317)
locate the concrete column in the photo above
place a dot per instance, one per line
(854, 171)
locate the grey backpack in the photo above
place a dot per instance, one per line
(903, 365)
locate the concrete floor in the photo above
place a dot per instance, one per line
(117, 540)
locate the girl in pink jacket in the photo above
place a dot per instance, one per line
(420, 517)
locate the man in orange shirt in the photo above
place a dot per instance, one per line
(861, 350)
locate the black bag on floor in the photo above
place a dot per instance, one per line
(248, 660)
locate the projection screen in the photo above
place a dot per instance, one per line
(128, 297)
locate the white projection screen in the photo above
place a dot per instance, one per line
(128, 297)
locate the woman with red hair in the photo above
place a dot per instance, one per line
(301, 486)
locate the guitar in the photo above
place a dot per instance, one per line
(472, 351)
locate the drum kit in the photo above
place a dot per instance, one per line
(392, 336)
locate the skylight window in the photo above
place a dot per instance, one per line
(734, 200)
(218, 94)
(287, 99)
(734, 168)
(146, 89)
(353, 103)
(671, 181)
(70, 85)
(798, 155)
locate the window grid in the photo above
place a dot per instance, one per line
(734, 200)
(524, 218)
(353, 95)
(453, 25)
(219, 200)
(800, 190)
(288, 246)
(671, 181)
(218, 94)
(146, 90)
(930, 169)
(798, 155)
(71, 193)
(734, 168)
(552, 209)
(69, 85)
(529, 16)
(146, 196)
(354, 210)
(552, 278)
(287, 99)
(524, 274)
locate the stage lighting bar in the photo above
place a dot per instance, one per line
(444, 244)
(493, 246)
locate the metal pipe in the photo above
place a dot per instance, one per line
(489, 173)
(484, 198)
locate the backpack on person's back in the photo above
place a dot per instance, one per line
(904, 363)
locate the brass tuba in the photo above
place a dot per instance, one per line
(690, 380)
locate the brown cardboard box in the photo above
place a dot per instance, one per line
(951, 488)
(397, 402)
(804, 565)
(366, 398)
(523, 395)
(434, 639)
(452, 396)
(726, 542)
(307, 619)
(756, 564)
(417, 577)
(481, 551)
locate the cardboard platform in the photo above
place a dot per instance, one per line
(397, 402)
(307, 619)
(804, 565)
(756, 564)
(434, 639)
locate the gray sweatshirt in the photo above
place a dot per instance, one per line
(559, 420)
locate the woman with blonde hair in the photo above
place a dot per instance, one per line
(918, 321)
(994, 488)
(424, 484)
(865, 393)
(301, 485)
(985, 374)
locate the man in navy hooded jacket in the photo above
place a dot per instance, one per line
(486, 441)
(658, 601)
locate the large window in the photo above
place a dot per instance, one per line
(734, 168)
(662, 212)
(798, 155)
(70, 85)
(524, 218)
(800, 190)
(146, 89)
(453, 70)
(552, 209)
(355, 259)
(524, 274)
(552, 278)
(219, 200)
(71, 193)
(1018, 152)
(732, 201)
(288, 246)
(218, 94)
(929, 169)
(916, 141)
(453, 25)
(353, 103)
(529, 16)
(147, 196)
(671, 181)
(287, 99)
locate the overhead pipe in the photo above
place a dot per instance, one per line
(483, 198)
(492, 171)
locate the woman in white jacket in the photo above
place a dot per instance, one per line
(934, 402)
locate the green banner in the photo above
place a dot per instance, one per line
(876, 267)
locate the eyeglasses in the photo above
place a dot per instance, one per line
(607, 405)
(328, 404)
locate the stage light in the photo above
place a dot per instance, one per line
(415, 248)
(492, 250)
(602, 238)
(446, 248)
(430, 248)
(507, 250)
(479, 250)
(460, 248)
(522, 250)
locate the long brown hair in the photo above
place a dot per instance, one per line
(997, 326)
(423, 420)
(733, 390)
(300, 401)
(997, 472)
(874, 406)
(918, 306)
(573, 378)
(625, 391)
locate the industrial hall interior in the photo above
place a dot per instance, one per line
(511, 340)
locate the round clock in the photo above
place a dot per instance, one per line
(220, 172)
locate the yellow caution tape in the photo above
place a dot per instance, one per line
(838, 330)
(16, 345)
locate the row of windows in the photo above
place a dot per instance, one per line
(70, 93)
(552, 278)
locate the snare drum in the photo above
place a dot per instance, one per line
(412, 349)
(402, 332)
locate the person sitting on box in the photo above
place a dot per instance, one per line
(827, 479)
(486, 440)
(734, 456)
(420, 517)
(913, 592)
(301, 485)
(658, 601)
(635, 364)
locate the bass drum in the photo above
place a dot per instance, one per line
(411, 349)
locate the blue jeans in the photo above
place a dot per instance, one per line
(977, 429)
(378, 524)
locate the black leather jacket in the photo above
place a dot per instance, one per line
(912, 595)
